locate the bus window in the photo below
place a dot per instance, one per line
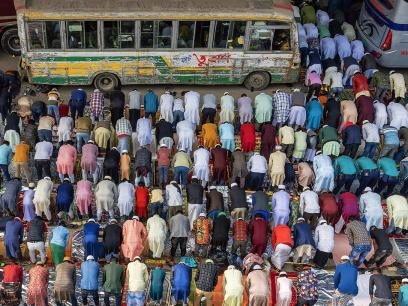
(281, 40)
(44, 35)
(229, 34)
(193, 34)
(163, 34)
(156, 34)
(119, 34)
(146, 35)
(260, 39)
(82, 34)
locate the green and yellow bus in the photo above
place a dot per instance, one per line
(107, 43)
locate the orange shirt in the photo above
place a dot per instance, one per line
(22, 153)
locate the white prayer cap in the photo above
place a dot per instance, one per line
(405, 280)
(125, 151)
(213, 187)
(322, 221)
(366, 121)
(91, 220)
(392, 71)
(345, 257)
(113, 221)
(47, 178)
(281, 187)
(278, 147)
(138, 258)
(256, 267)
(96, 90)
(300, 219)
(31, 185)
(66, 179)
(231, 267)
(91, 141)
(355, 72)
(283, 273)
(135, 218)
(163, 145)
(194, 177)
(318, 152)
(306, 188)
(202, 215)
(367, 189)
(107, 177)
(90, 257)
(173, 182)
(226, 93)
(234, 184)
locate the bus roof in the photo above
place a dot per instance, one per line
(156, 9)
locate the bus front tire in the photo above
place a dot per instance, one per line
(257, 80)
(10, 42)
(106, 82)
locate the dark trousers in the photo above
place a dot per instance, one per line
(404, 189)
(367, 178)
(351, 149)
(344, 180)
(177, 117)
(254, 180)
(303, 55)
(219, 176)
(321, 258)
(112, 172)
(302, 302)
(116, 114)
(241, 245)
(93, 293)
(17, 252)
(380, 256)
(5, 172)
(153, 115)
(118, 298)
(42, 165)
(386, 181)
(311, 218)
(370, 149)
(77, 106)
(178, 241)
(45, 135)
(288, 149)
(314, 90)
(37, 113)
(208, 113)
(74, 301)
(134, 115)
(258, 248)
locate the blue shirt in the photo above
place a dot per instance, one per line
(78, 95)
(390, 135)
(65, 196)
(14, 232)
(344, 165)
(351, 134)
(388, 166)
(345, 278)
(328, 48)
(403, 296)
(6, 154)
(181, 277)
(60, 236)
(365, 163)
(91, 231)
(89, 275)
(151, 102)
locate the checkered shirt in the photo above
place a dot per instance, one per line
(281, 106)
(96, 103)
(123, 127)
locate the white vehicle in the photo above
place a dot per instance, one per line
(383, 29)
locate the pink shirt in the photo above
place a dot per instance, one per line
(163, 157)
(89, 155)
(84, 196)
(67, 155)
(314, 78)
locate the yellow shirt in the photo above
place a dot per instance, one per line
(22, 153)
(157, 196)
(286, 135)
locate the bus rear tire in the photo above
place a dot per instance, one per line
(106, 82)
(10, 42)
(257, 80)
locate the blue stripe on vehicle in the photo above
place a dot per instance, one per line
(388, 22)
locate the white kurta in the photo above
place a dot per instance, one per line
(381, 116)
(201, 164)
(227, 109)
(323, 169)
(233, 288)
(283, 291)
(185, 132)
(144, 131)
(371, 209)
(280, 255)
(157, 231)
(42, 196)
(105, 195)
(65, 129)
(166, 107)
(397, 84)
(397, 114)
(126, 198)
(192, 105)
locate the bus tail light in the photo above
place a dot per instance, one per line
(387, 42)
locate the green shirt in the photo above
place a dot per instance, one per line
(327, 134)
(113, 278)
(365, 163)
(380, 79)
(344, 165)
(308, 14)
(323, 31)
(388, 166)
